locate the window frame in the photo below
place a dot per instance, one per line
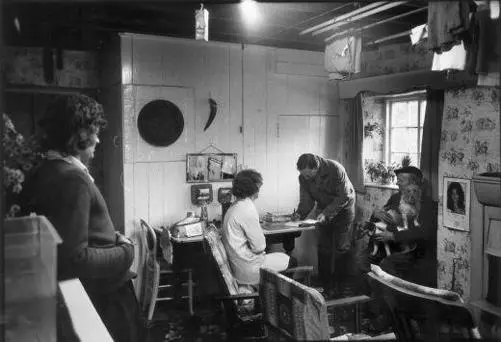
(420, 97)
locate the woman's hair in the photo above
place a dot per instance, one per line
(246, 183)
(69, 122)
(307, 161)
(460, 192)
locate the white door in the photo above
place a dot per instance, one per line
(300, 134)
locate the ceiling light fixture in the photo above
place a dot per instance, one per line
(250, 12)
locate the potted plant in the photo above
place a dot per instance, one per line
(381, 173)
(20, 156)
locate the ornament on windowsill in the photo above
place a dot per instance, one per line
(202, 24)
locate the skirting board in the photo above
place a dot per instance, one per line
(405, 81)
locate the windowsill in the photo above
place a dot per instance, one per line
(381, 186)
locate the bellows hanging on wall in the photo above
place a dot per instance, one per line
(160, 123)
(202, 24)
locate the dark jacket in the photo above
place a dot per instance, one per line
(74, 205)
(425, 235)
(331, 189)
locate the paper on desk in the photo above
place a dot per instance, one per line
(303, 223)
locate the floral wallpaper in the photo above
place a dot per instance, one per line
(395, 58)
(373, 121)
(469, 145)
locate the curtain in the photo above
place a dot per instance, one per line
(430, 145)
(355, 141)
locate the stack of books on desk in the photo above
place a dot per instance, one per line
(275, 218)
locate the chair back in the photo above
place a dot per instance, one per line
(150, 267)
(214, 243)
(295, 310)
(423, 313)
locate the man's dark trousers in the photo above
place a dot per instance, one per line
(334, 248)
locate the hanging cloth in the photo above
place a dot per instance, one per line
(448, 21)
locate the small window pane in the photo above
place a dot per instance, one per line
(404, 140)
(423, 111)
(398, 114)
(412, 112)
(397, 158)
(404, 114)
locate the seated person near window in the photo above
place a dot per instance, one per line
(420, 233)
(242, 235)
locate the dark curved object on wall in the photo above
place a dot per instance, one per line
(160, 123)
(212, 114)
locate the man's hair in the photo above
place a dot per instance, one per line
(246, 183)
(70, 121)
(307, 161)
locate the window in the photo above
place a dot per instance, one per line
(404, 125)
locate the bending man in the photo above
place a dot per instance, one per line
(325, 183)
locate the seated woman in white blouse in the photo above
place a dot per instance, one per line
(243, 237)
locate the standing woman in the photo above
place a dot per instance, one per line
(63, 190)
(242, 235)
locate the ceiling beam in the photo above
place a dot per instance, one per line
(342, 17)
(393, 36)
(352, 19)
(422, 9)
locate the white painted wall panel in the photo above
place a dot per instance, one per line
(144, 152)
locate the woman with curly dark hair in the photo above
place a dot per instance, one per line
(455, 198)
(62, 189)
(243, 236)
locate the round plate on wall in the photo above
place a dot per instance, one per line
(160, 123)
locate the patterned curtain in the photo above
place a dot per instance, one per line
(356, 140)
(430, 145)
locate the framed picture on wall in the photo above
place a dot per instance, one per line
(456, 203)
(210, 167)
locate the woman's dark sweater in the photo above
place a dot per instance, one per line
(66, 195)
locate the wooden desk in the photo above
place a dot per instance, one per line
(189, 252)
(274, 233)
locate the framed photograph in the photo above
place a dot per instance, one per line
(456, 203)
(210, 167)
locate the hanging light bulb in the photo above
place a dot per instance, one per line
(202, 23)
(250, 12)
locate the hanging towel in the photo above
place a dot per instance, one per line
(448, 21)
(494, 8)
(342, 56)
(455, 58)
(418, 33)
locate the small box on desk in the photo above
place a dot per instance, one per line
(188, 229)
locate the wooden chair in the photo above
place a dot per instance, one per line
(155, 275)
(423, 313)
(242, 310)
(297, 312)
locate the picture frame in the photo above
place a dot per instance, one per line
(210, 167)
(456, 203)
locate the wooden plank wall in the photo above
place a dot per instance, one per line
(253, 87)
